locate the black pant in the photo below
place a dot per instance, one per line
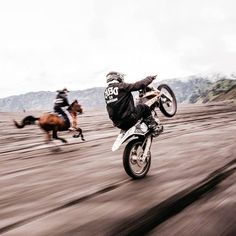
(60, 111)
(141, 111)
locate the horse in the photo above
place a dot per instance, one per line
(51, 123)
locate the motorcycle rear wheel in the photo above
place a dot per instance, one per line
(167, 107)
(132, 162)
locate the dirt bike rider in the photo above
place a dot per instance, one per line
(60, 102)
(120, 102)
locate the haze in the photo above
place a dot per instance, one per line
(50, 44)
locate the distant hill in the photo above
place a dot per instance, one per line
(203, 88)
(185, 91)
(89, 98)
(223, 89)
(192, 89)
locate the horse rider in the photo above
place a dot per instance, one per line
(60, 102)
(120, 103)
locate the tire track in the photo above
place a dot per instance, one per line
(144, 222)
(141, 224)
(66, 205)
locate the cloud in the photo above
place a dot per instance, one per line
(46, 45)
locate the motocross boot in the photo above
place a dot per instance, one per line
(154, 126)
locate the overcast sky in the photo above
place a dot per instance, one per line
(51, 44)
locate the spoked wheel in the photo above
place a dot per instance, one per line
(133, 164)
(168, 103)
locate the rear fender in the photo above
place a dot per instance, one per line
(133, 132)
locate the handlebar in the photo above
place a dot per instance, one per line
(150, 88)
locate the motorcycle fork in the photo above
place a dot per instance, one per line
(147, 144)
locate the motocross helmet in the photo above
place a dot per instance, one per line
(115, 77)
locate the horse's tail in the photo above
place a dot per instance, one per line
(28, 120)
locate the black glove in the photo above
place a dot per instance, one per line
(152, 77)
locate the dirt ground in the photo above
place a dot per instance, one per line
(81, 188)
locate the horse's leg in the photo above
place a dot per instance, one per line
(48, 137)
(54, 135)
(74, 121)
(80, 133)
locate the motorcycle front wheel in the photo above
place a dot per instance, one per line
(132, 159)
(168, 102)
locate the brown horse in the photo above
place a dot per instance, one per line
(52, 122)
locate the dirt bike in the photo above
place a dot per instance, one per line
(137, 153)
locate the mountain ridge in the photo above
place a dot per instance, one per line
(196, 89)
